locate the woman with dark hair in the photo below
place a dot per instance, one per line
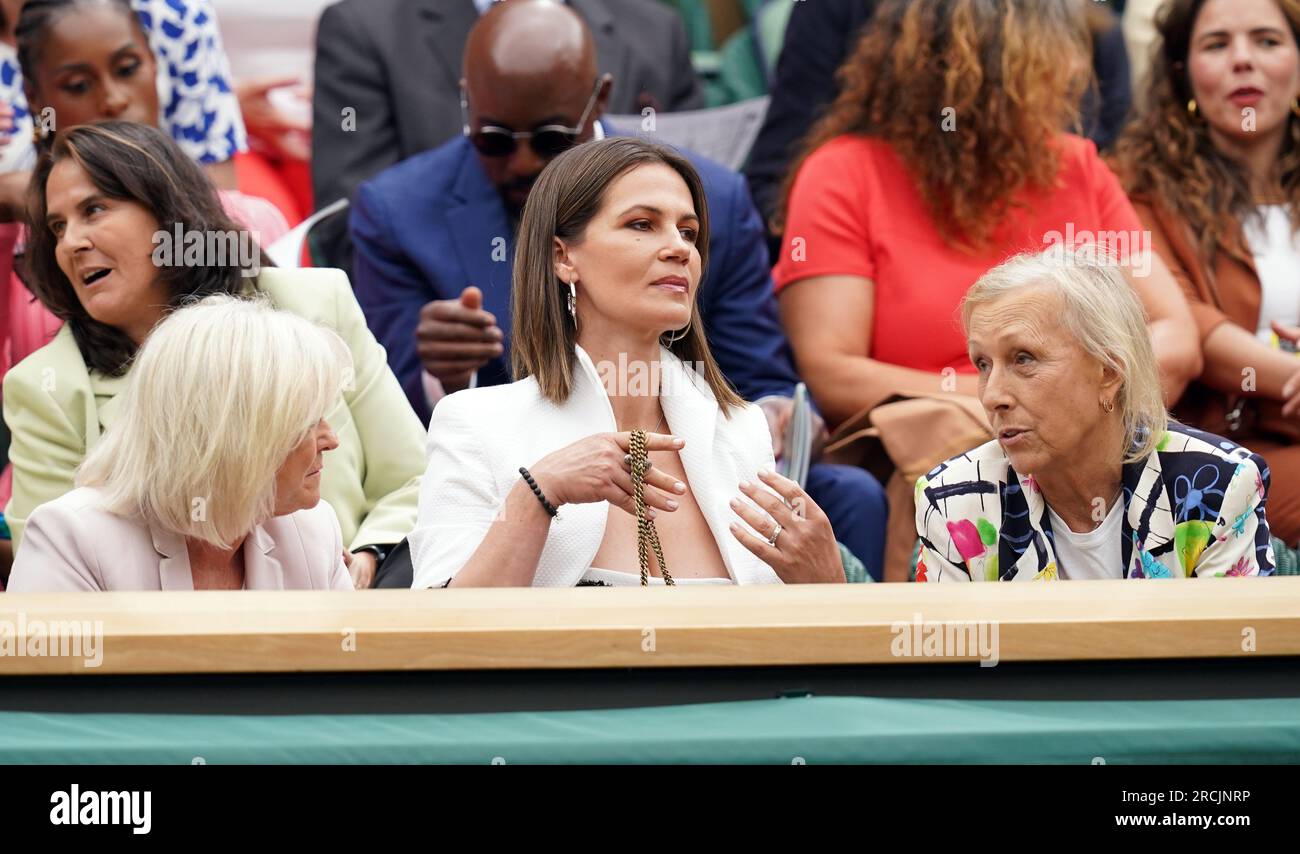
(619, 416)
(124, 228)
(1213, 167)
(85, 61)
(201, 110)
(942, 156)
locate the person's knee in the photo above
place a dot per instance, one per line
(849, 486)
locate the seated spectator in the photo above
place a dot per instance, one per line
(1213, 167)
(200, 110)
(611, 351)
(91, 60)
(87, 61)
(388, 82)
(105, 200)
(211, 478)
(1079, 481)
(941, 158)
(435, 236)
(819, 38)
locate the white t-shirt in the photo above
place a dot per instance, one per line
(1095, 554)
(615, 578)
(1277, 260)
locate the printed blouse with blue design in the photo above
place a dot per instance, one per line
(199, 107)
(1194, 507)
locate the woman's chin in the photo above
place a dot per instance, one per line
(1025, 460)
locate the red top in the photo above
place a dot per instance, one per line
(859, 212)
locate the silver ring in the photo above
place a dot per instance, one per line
(771, 541)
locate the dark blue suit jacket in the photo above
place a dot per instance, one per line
(432, 225)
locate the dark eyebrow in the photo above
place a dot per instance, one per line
(73, 66)
(1273, 31)
(51, 216)
(654, 210)
(86, 66)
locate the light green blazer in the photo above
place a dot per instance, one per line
(57, 409)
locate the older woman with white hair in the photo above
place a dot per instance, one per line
(1088, 477)
(211, 478)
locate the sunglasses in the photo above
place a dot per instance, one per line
(547, 141)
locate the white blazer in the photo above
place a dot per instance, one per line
(479, 438)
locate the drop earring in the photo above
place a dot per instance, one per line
(573, 300)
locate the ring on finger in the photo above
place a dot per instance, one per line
(627, 461)
(771, 541)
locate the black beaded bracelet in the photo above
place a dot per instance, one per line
(537, 490)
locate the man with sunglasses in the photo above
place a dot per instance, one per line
(386, 83)
(434, 243)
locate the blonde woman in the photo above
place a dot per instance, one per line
(1088, 477)
(211, 479)
(101, 198)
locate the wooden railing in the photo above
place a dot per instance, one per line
(250, 632)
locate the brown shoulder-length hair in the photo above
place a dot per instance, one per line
(1166, 157)
(971, 94)
(567, 195)
(135, 163)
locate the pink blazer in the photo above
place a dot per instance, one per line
(72, 543)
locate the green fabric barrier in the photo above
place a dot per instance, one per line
(815, 730)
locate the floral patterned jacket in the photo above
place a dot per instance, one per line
(1194, 507)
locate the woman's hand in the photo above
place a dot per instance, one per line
(361, 567)
(1291, 390)
(805, 550)
(594, 469)
(285, 131)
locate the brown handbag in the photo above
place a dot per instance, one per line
(899, 440)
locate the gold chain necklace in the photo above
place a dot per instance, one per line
(646, 535)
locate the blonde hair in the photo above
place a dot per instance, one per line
(1101, 311)
(217, 397)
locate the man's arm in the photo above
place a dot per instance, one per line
(818, 39)
(354, 133)
(740, 314)
(390, 290)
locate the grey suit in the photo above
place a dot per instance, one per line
(387, 75)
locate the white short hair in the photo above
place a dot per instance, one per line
(219, 394)
(1100, 309)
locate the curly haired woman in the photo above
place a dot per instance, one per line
(943, 156)
(1213, 166)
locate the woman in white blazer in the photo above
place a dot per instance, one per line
(211, 479)
(529, 484)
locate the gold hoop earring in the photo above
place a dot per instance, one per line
(1191, 106)
(1108, 405)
